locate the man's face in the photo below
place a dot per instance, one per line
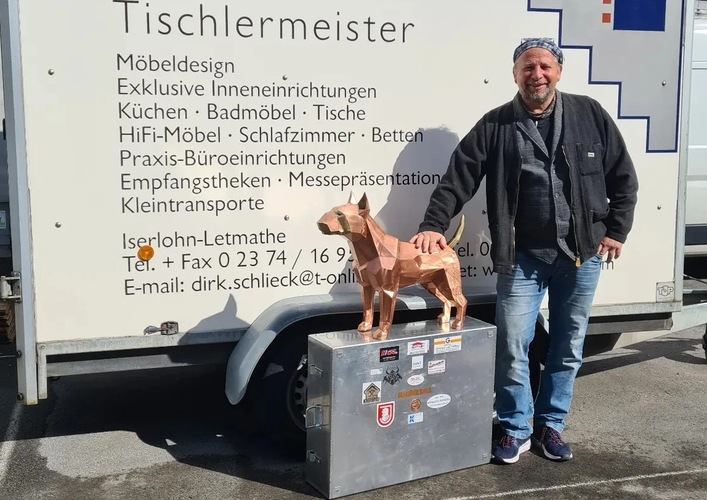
(536, 72)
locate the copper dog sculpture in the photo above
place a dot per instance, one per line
(385, 264)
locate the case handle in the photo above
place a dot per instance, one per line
(318, 414)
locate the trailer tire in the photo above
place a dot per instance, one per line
(278, 391)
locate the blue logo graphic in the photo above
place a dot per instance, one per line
(639, 15)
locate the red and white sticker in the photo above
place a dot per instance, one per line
(386, 414)
(418, 362)
(448, 344)
(418, 347)
(436, 366)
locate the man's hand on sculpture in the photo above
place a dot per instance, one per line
(429, 241)
(612, 247)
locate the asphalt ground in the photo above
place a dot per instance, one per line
(637, 429)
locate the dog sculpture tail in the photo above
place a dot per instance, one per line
(458, 234)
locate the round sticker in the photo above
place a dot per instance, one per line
(416, 380)
(439, 401)
(415, 404)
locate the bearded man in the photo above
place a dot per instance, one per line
(561, 191)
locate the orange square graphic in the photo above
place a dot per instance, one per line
(608, 2)
(606, 18)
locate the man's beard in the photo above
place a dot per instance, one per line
(539, 97)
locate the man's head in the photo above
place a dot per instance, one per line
(537, 68)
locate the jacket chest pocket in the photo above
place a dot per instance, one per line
(589, 159)
(591, 180)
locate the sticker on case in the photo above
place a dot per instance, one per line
(415, 418)
(439, 401)
(448, 344)
(386, 414)
(392, 376)
(371, 392)
(389, 354)
(436, 366)
(414, 392)
(416, 379)
(419, 347)
(418, 362)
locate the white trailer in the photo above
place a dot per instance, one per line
(216, 134)
(696, 211)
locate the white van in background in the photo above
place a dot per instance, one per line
(696, 210)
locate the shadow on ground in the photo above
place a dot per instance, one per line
(670, 347)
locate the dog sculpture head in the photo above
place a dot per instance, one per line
(346, 219)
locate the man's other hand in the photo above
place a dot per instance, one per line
(429, 241)
(611, 247)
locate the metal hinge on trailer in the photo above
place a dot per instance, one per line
(166, 328)
(10, 287)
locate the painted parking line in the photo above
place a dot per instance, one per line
(7, 445)
(584, 485)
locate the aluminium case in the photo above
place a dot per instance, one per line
(440, 384)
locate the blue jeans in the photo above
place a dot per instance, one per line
(570, 295)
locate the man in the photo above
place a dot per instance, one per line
(561, 192)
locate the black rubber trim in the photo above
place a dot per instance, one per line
(696, 235)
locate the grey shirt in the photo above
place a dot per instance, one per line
(543, 225)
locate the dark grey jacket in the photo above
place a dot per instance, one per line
(603, 179)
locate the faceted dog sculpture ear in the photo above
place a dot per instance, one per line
(352, 199)
(363, 204)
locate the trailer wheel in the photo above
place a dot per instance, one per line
(278, 393)
(296, 393)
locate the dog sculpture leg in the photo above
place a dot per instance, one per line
(452, 290)
(446, 314)
(367, 296)
(456, 293)
(460, 301)
(387, 310)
